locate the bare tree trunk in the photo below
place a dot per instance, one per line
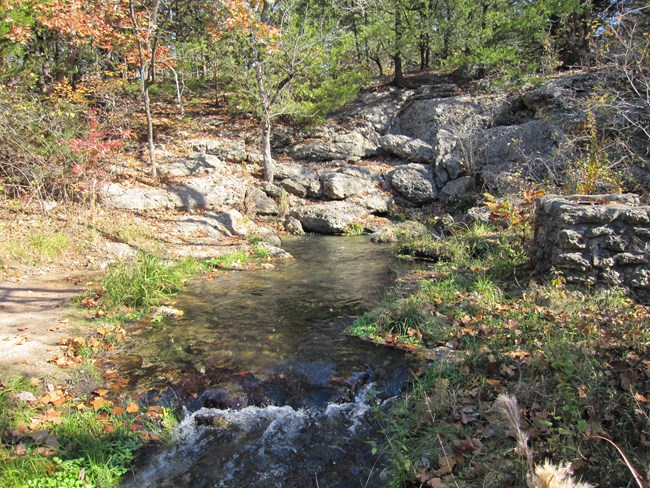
(398, 78)
(144, 86)
(265, 120)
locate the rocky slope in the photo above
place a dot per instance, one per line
(389, 150)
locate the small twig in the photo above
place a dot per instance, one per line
(635, 473)
(444, 453)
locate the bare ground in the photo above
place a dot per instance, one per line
(32, 322)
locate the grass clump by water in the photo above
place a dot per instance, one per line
(54, 441)
(575, 360)
(145, 282)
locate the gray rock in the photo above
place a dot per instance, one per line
(276, 252)
(260, 203)
(198, 226)
(376, 202)
(209, 193)
(231, 223)
(120, 250)
(305, 181)
(329, 218)
(350, 146)
(293, 187)
(455, 189)
(478, 214)
(375, 109)
(593, 239)
(272, 190)
(199, 164)
(227, 150)
(338, 186)
(404, 147)
(453, 157)
(414, 182)
(570, 239)
(293, 226)
(530, 151)
(116, 195)
(423, 118)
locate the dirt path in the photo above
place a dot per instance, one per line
(32, 324)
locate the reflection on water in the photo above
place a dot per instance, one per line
(268, 320)
(269, 361)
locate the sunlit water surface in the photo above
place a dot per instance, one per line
(273, 393)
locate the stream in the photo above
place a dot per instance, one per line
(272, 392)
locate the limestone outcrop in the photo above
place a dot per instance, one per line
(594, 240)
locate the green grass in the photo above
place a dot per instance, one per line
(353, 229)
(78, 449)
(145, 282)
(230, 260)
(36, 247)
(572, 357)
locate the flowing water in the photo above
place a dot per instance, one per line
(273, 393)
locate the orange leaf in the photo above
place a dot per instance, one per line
(132, 408)
(100, 392)
(117, 411)
(99, 403)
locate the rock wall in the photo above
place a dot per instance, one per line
(594, 240)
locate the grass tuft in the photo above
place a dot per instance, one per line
(145, 282)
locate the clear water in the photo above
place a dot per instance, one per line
(273, 392)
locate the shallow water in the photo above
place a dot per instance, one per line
(273, 392)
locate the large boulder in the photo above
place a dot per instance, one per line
(339, 186)
(375, 109)
(404, 147)
(414, 182)
(526, 151)
(298, 180)
(330, 217)
(214, 192)
(423, 118)
(351, 146)
(259, 203)
(457, 188)
(228, 150)
(117, 195)
(195, 165)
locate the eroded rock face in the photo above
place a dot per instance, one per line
(196, 165)
(298, 180)
(404, 147)
(258, 202)
(415, 182)
(591, 240)
(423, 118)
(339, 186)
(329, 218)
(346, 146)
(116, 195)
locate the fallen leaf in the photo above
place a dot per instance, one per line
(436, 483)
(99, 403)
(20, 329)
(117, 411)
(133, 408)
(100, 392)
